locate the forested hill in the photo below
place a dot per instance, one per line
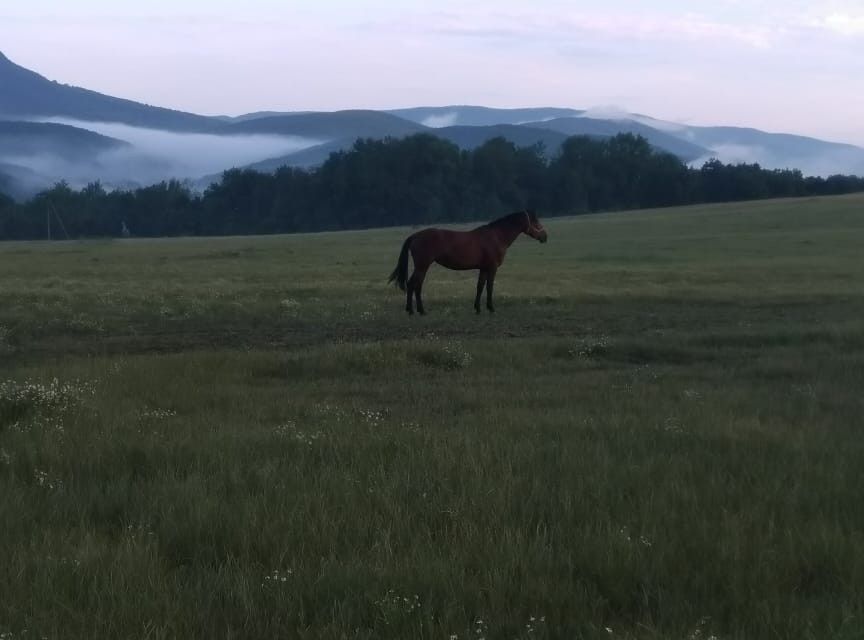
(26, 94)
(420, 179)
(50, 139)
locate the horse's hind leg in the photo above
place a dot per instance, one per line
(409, 295)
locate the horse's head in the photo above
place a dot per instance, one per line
(533, 227)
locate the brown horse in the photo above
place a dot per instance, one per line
(482, 248)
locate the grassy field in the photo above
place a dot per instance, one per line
(657, 435)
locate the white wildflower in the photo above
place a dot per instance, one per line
(156, 414)
(289, 430)
(371, 417)
(44, 480)
(277, 576)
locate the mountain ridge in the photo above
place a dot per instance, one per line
(26, 96)
(26, 138)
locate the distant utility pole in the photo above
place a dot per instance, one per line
(48, 211)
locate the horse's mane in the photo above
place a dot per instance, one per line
(515, 219)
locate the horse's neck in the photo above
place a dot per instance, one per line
(507, 234)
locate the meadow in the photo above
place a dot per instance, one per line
(657, 435)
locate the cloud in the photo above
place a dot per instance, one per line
(542, 27)
(606, 112)
(843, 23)
(546, 119)
(441, 120)
(154, 156)
(194, 154)
(614, 112)
(661, 125)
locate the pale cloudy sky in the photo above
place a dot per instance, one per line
(779, 65)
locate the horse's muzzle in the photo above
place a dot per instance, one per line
(543, 237)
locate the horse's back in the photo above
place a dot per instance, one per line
(449, 248)
(434, 237)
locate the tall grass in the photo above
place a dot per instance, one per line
(656, 436)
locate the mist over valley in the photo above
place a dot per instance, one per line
(50, 132)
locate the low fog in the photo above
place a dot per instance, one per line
(441, 120)
(156, 155)
(841, 161)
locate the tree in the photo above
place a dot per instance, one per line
(420, 179)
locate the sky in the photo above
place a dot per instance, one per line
(777, 65)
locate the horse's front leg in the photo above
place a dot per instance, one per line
(481, 282)
(490, 283)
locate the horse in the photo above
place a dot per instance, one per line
(482, 248)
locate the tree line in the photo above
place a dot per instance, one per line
(420, 179)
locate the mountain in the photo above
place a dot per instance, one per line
(35, 155)
(28, 95)
(166, 143)
(464, 137)
(327, 125)
(257, 115)
(19, 182)
(690, 143)
(780, 143)
(474, 116)
(471, 137)
(684, 149)
(740, 144)
(772, 150)
(336, 131)
(436, 117)
(19, 139)
(729, 144)
(303, 159)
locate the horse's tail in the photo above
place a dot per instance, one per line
(400, 273)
